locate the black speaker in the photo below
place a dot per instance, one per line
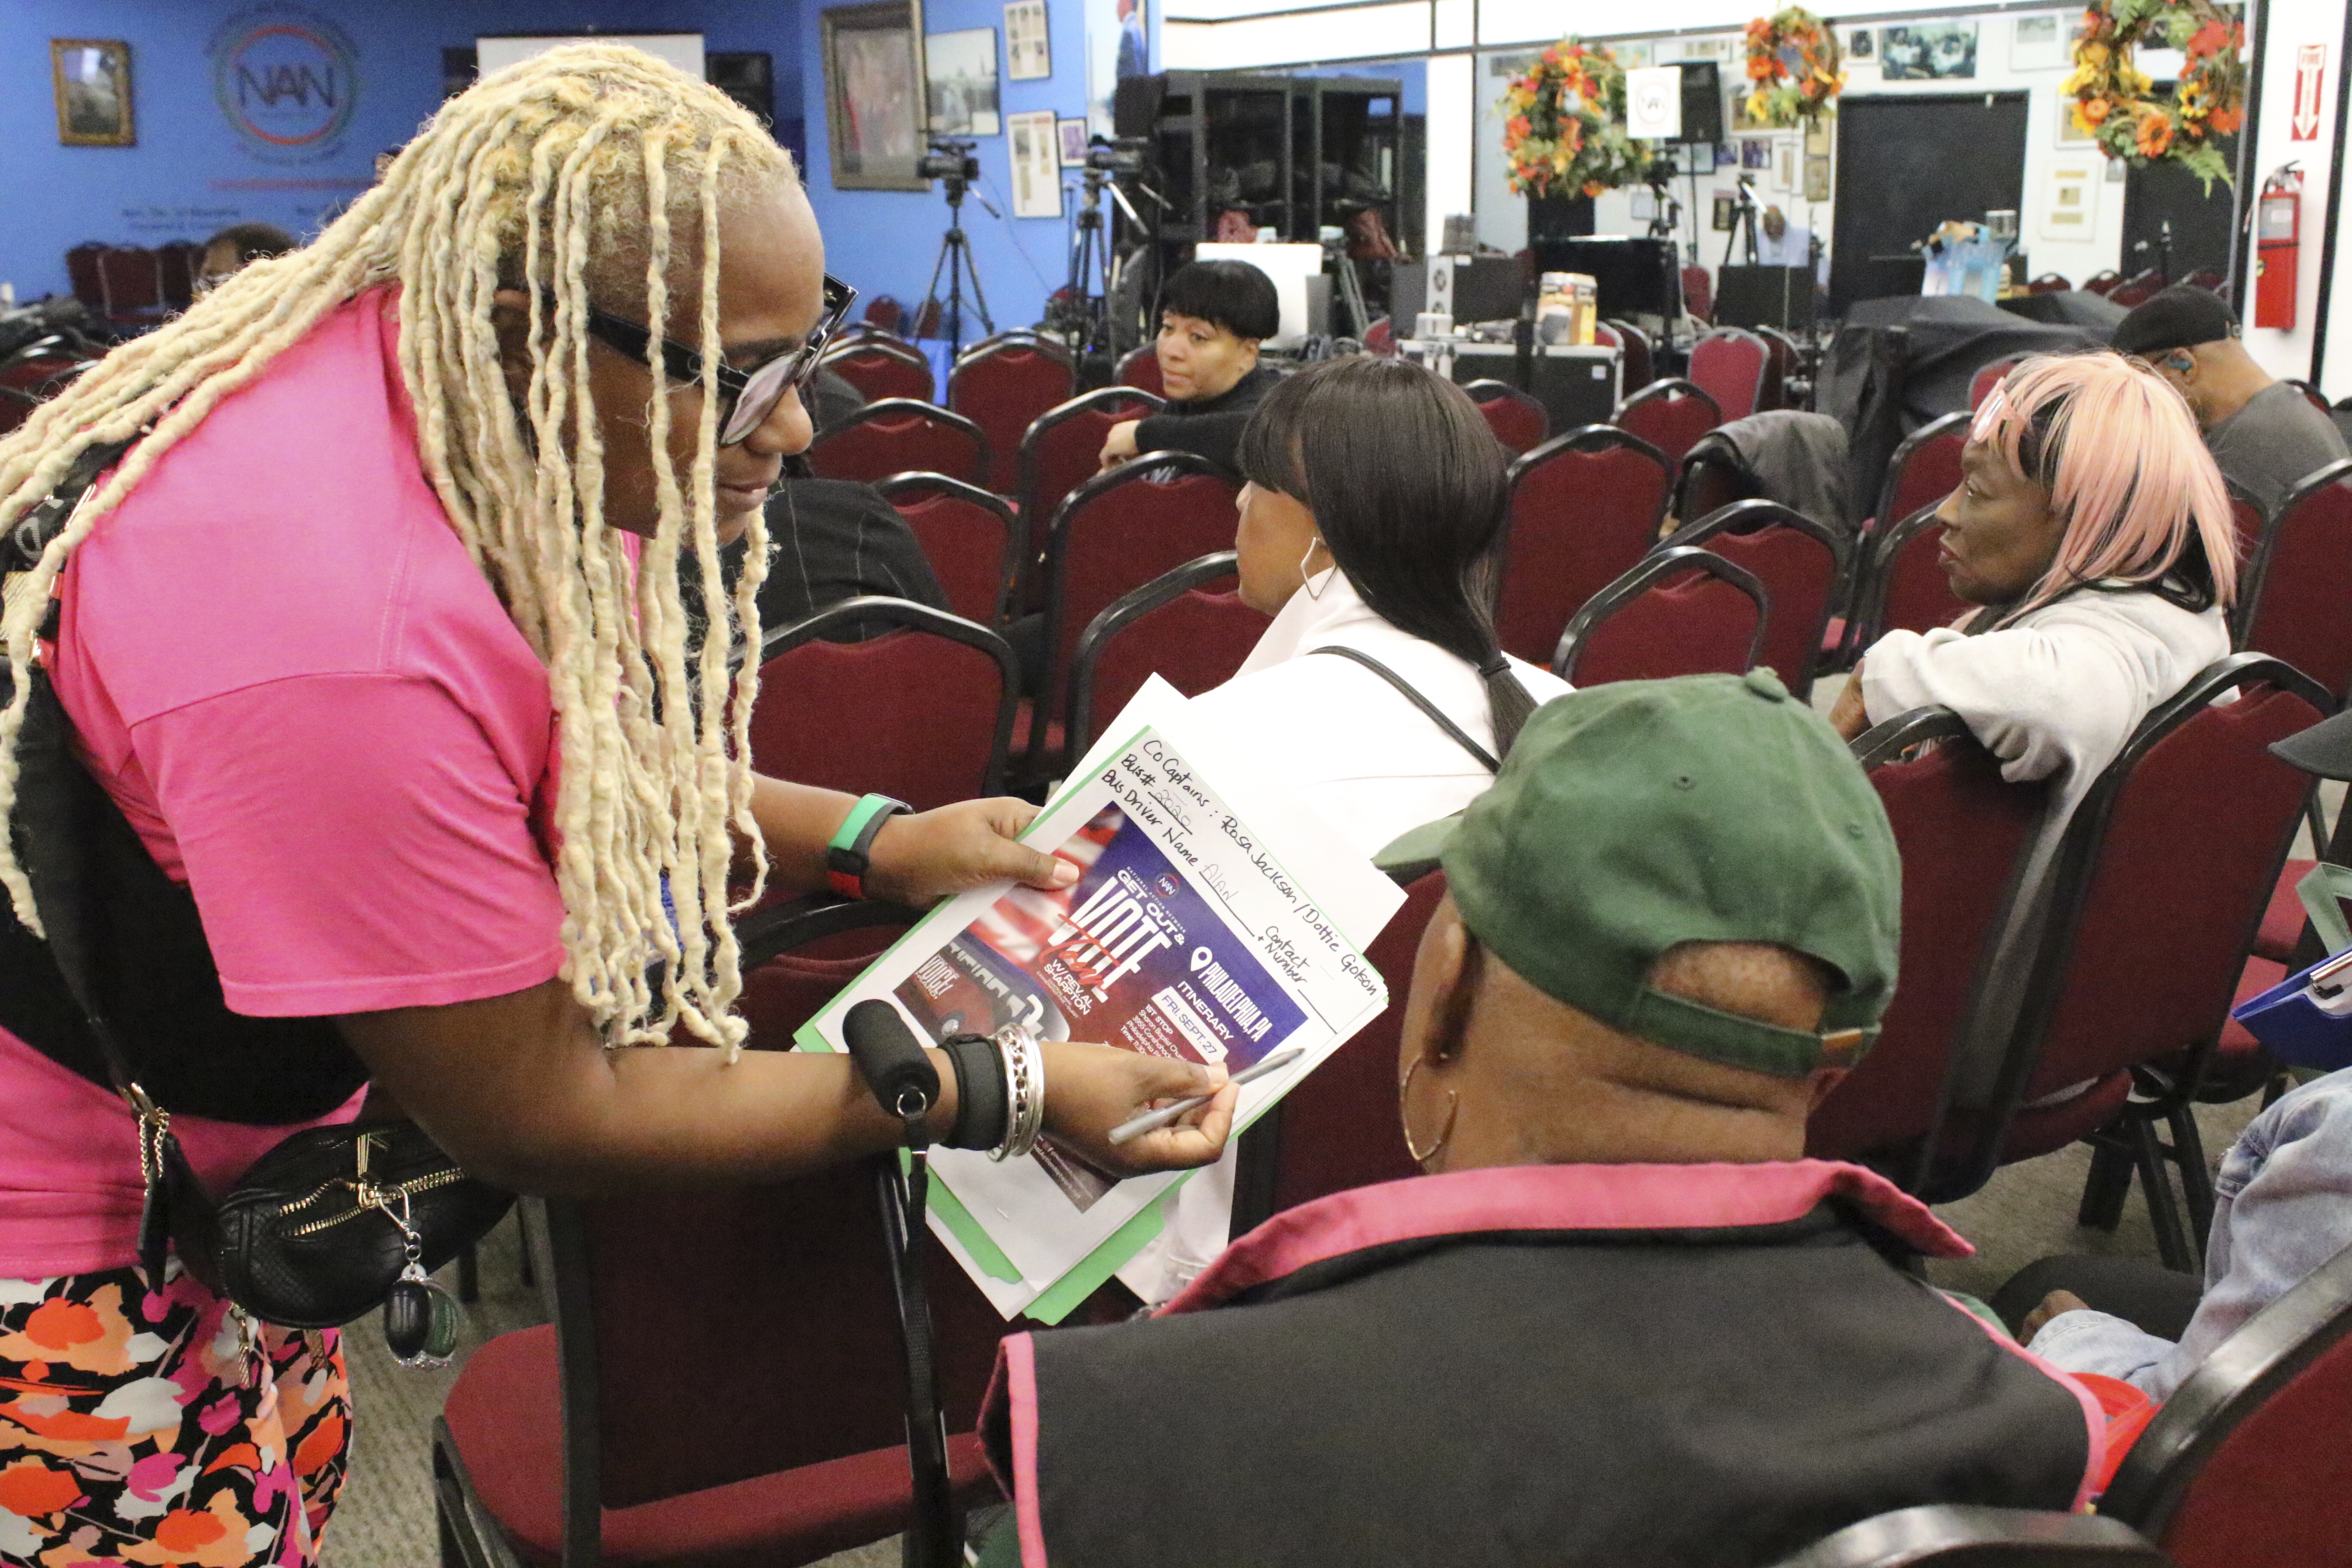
(1135, 104)
(1778, 296)
(1702, 103)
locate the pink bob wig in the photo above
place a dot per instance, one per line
(2120, 455)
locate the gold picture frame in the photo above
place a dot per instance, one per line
(91, 81)
(877, 119)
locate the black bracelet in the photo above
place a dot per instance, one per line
(981, 1091)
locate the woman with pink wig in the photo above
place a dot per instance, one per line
(2093, 529)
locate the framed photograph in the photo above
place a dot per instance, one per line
(2070, 201)
(1755, 152)
(873, 94)
(1036, 165)
(91, 78)
(1861, 44)
(1784, 166)
(1817, 178)
(1928, 51)
(1028, 52)
(959, 71)
(1074, 142)
(2037, 44)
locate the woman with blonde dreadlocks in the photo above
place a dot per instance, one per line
(354, 629)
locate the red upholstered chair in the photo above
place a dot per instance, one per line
(1925, 468)
(134, 285)
(1698, 293)
(1960, 830)
(2103, 283)
(2193, 819)
(2311, 394)
(1733, 365)
(1188, 627)
(1062, 448)
(2049, 283)
(1669, 414)
(568, 1440)
(1339, 1128)
(923, 713)
(1004, 382)
(2138, 288)
(1518, 421)
(1989, 377)
(1140, 369)
(1780, 378)
(1379, 338)
(2210, 279)
(885, 313)
(82, 273)
(1803, 566)
(972, 539)
(1119, 531)
(1712, 477)
(2249, 1461)
(880, 366)
(2249, 519)
(33, 375)
(178, 265)
(2293, 596)
(900, 435)
(1958, 1535)
(1679, 612)
(1902, 587)
(1638, 357)
(1585, 507)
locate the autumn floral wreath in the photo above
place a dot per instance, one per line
(2116, 102)
(1793, 62)
(1565, 135)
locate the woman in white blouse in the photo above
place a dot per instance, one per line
(2093, 530)
(1368, 530)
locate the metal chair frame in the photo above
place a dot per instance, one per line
(1016, 528)
(1665, 561)
(1124, 612)
(1754, 516)
(898, 408)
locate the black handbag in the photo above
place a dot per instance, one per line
(331, 1222)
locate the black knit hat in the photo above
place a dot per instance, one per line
(2180, 318)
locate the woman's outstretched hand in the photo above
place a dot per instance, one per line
(1089, 1089)
(922, 859)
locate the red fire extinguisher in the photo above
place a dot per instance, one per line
(2278, 228)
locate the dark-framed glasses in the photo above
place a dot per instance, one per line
(746, 398)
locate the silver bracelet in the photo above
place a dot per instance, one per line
(1024, 1091)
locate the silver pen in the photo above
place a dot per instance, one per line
(1151, 1119)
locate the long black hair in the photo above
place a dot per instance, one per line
(1408, 486)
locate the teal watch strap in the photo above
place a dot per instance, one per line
(849, 853)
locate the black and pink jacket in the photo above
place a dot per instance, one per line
(1684, 1366)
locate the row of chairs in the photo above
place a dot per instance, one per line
(135, 285)
(561, 1436)
(34, 372)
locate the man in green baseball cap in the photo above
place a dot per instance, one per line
(1621, 1320)
(1684, 896)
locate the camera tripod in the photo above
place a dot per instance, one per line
(1743, 220)
(955, 260)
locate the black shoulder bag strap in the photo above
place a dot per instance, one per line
(1406, 690)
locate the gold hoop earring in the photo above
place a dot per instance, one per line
(1404, 1120)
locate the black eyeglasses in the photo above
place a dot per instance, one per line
(746, 398)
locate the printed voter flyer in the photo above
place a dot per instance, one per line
(1205, 924)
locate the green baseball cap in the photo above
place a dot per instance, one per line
(1632, 816)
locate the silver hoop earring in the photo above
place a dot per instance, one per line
(1404, 1120)
(1306, 578)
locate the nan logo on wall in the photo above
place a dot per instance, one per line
(287, 81)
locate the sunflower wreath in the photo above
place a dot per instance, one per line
(1793, 64)
(2115, 103)
(1566, 133)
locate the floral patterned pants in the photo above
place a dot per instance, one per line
(163, 1428)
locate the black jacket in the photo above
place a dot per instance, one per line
(1210, 428)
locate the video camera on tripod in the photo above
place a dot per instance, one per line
(1123, 156)
(950, 159)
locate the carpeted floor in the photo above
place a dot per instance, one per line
(386, 1520)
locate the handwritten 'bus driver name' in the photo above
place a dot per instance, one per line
(1107, 939)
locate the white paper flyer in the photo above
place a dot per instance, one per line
(1215, 918)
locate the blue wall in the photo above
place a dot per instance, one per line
(193, 173)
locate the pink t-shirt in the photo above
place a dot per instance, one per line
(303, 693)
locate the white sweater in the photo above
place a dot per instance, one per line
(2055, 695)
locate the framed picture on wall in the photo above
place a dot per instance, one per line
(1074, 142)
(1028, 52)
(873, 94)
(1861, 44)
(960, 70)
(91, 78)
(2037, 44)
(1928, 51)
(1036, 165)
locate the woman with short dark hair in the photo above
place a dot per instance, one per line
(1368, 531)
(1213, 316)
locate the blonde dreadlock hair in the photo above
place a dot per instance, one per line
(569, 176)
